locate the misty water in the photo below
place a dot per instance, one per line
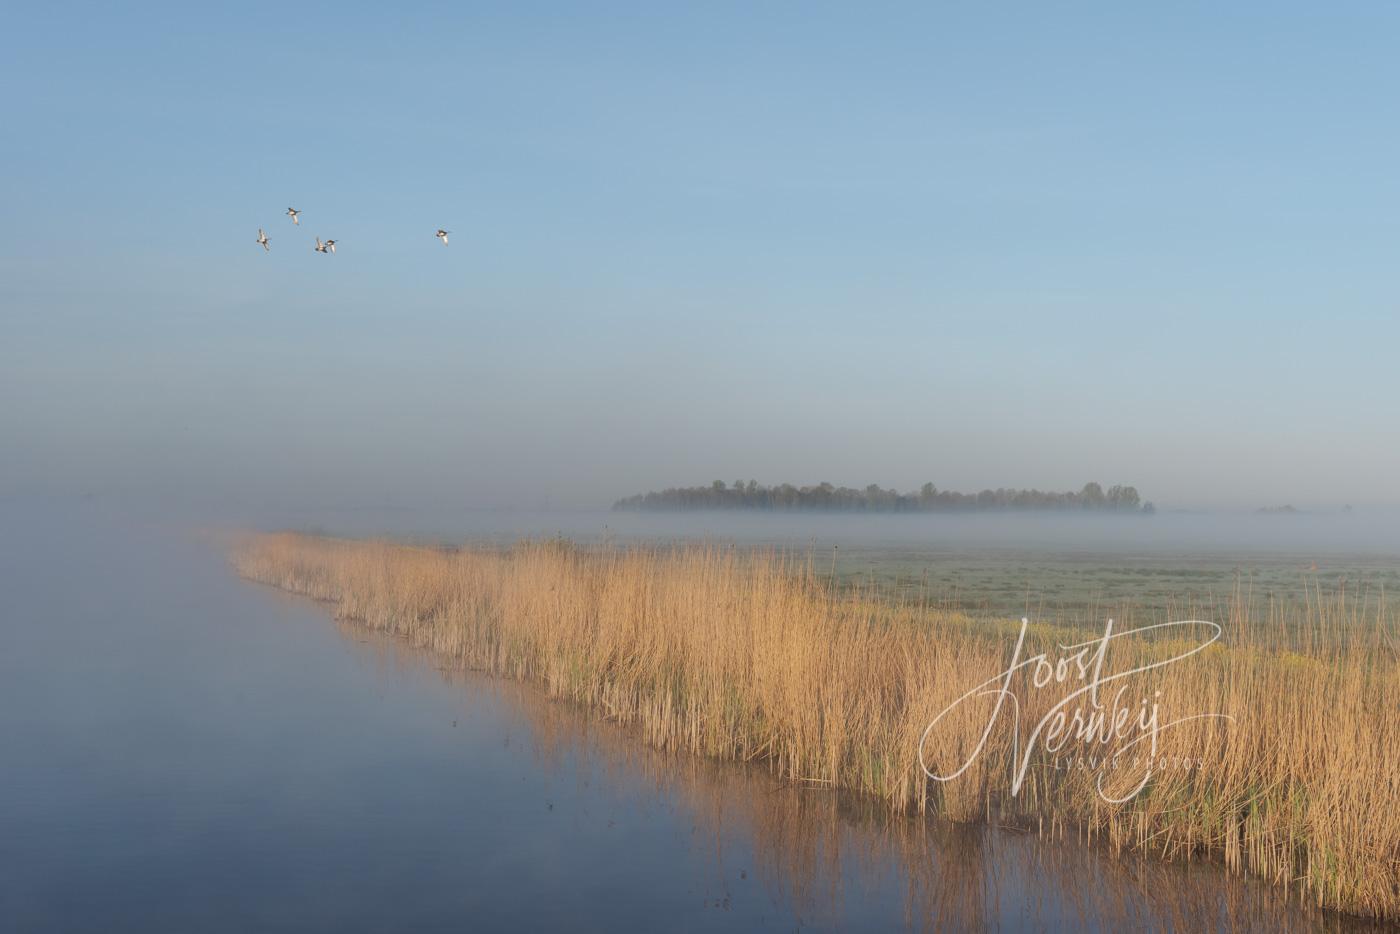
(185, 750)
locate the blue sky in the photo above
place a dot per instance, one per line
(876, 243)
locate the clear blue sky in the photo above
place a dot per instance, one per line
(1024, 246)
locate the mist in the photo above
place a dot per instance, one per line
(663, 272)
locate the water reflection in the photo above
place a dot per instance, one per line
(181, 750)
(834, 860)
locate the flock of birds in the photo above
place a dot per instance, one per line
(329, 245)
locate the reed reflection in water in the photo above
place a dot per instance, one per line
(839, 860)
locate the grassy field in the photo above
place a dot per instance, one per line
(1091, 585)
(752, 655)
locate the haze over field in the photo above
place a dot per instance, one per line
(693, 466)
(1153, 246)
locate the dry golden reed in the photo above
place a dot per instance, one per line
(753, 656)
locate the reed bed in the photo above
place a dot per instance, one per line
(955, 876)
(753, 656)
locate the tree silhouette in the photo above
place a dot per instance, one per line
(825, 496)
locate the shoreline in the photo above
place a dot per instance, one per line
(684, 645)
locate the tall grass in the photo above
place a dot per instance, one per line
(753, 656)
(807, 846)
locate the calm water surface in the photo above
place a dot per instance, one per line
(180, 750)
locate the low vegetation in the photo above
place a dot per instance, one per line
(753, 656)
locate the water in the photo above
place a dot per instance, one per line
(181, 750)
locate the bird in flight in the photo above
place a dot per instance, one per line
(330, 245)
(320, 247)
(262, 238)
(442, 235)
(292, 213)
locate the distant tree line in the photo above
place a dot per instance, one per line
(929, 498)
